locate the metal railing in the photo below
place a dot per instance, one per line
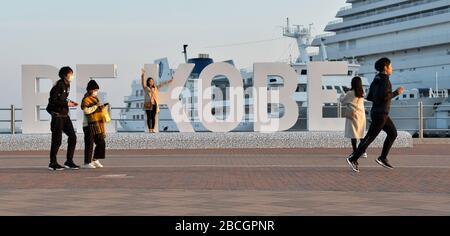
(12, 120)
(424, 123)
(419, 120)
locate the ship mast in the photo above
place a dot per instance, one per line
(303, 37)
(185, 46)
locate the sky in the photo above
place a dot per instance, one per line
(131, 33)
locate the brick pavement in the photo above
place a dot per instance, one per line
(230, 182)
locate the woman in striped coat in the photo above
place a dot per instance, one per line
(93, 127)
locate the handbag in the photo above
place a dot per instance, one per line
(105, 115)
(347, 112)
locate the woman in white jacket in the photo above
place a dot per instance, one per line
(151, 103)
(355, 113)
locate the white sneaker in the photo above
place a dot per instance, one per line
(365, 155)
(89, 166)
(97, 164)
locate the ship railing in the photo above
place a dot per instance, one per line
(399, 43)
(346, 8)
(325, 35)
(425, 125)
(334, 22)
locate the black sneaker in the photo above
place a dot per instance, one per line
(55, 167)
(353, 164)
(384, 163)
(71, 166)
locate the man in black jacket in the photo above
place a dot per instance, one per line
(381, 95)
(58, 106)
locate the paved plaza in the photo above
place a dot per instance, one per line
(233, 182)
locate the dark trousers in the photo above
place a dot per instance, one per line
(151, 117)
(379, 122)
(354, 144)
(59, 125)
(100, 146)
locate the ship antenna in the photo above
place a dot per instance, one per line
(185, 53)
(303, 36)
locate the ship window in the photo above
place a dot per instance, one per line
(405, 96)
(301, 88)
(329, 88)
(137, 105)
(338, 89)
(137, 93)
(350, 73)
(323, 88)
(411, 96)
(304, 72)
(352, 44)
(273, 80)
(142, 117)
(342, 46)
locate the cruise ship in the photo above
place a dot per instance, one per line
(132, 118)
(415, 35)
